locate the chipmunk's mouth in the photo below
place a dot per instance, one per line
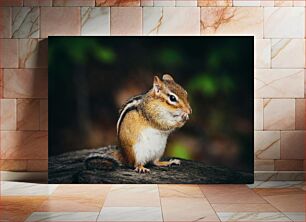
(183, 116)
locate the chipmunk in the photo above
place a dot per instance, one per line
(144, 124)
(146, 121)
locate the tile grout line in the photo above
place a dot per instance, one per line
(267, 202)
(104, 202)
(161, 209)
(278, 210)
(209, 202)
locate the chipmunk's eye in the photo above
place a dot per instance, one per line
(172, 98)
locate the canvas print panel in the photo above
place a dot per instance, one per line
(151, 109)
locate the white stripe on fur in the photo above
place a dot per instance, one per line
(133, 103)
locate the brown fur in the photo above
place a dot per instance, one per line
(130, 129)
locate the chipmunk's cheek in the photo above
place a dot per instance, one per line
(180, 124)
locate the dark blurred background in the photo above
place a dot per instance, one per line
(91, 77)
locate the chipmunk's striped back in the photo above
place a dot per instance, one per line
(131, 104)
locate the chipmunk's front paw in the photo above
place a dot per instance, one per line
(141, 169)
(175, 162)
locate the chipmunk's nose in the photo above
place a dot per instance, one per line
(188, 110)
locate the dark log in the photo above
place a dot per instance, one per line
(89, 166)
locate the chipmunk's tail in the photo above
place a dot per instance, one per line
(104, 161)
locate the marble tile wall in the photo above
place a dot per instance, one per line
(278, 27)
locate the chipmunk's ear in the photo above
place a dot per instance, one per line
(167, 77)
(157, 85)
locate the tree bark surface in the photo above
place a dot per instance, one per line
(87, 166)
